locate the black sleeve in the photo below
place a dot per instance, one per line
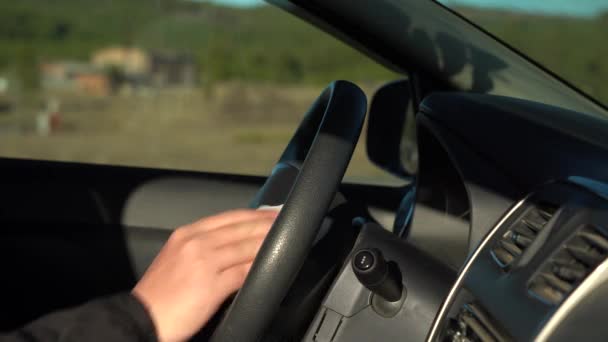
(118, 318)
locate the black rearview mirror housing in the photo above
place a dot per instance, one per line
(391, 133)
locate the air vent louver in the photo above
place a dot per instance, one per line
(473, 324)
(570, 265)
(521, 234)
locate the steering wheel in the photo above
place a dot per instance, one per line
(316, 157)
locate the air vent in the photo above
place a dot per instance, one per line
(473, 324)
(521, 234)
(570, 265)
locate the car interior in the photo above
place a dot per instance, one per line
(498, 231)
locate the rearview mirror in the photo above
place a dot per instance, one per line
(391, 131)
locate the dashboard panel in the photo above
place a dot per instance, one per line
(351, 312)
(533, 272)
(504, 148)
(516, 196)
(538, 271)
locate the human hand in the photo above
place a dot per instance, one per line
(198, 268)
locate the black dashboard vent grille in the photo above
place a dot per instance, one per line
(473, 324)
(570, 265)
(521, 234)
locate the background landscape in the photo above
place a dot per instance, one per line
(200, 86)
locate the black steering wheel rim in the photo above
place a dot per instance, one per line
(321, 147)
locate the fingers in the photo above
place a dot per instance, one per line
(229, 217)
(240, 231)
(237, 253)
(233, 278)
(199, 267)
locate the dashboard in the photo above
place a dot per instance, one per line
(539, 274)
(535, 182)
(517, 194)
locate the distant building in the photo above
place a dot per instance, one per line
(140, 68)
(96, 84)
(60, 74)
(173, 69)
(117, 67)
(133, 62)
(75, 76)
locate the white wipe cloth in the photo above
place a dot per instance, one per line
(271, 207)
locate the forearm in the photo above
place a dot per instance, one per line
(117, 318)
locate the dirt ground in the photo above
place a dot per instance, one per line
(233, 127)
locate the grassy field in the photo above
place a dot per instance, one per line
(239, 128)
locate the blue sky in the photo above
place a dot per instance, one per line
(563, 7)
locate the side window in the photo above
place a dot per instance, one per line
(177, 84)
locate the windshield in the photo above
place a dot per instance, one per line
(567, 37)
(177, 84)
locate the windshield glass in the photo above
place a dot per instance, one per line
(178, 84)
(567, 37)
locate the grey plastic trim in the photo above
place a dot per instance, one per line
(597, 278)
(433, 334)
(171, 201)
